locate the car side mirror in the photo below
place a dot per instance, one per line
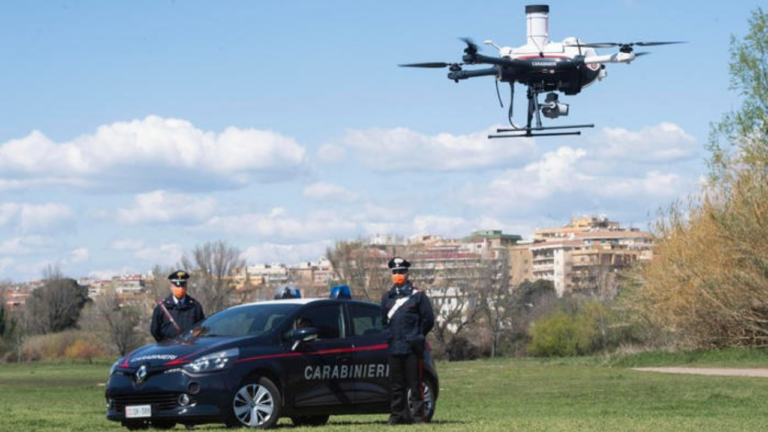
(303, 335)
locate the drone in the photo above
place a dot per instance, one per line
(544, 67)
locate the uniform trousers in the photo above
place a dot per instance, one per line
(405, 372)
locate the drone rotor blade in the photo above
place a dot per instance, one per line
(472, 47)
(641, 53)
(434, 65)
(656, 43)
(601, 45)
(621, 44)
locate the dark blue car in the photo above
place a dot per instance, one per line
(249, 365)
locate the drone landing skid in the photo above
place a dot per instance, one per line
(528, 132)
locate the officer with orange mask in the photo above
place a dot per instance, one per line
(408, 317)
(178, 312)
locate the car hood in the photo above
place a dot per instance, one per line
(178, 353)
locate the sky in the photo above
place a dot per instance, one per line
(133, 131)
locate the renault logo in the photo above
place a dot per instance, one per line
(141, 374)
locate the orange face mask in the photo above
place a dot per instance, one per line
(179, 292)
(398, 279)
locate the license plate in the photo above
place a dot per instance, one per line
(138, 411)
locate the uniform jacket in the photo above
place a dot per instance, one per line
(187, 312)
(412, 319)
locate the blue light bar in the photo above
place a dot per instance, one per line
(341, 292)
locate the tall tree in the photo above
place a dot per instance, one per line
(740, 139)
(115, 321)
(213, 264)
(56, 305)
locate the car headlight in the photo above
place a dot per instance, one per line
(213, 362)
(114, 367)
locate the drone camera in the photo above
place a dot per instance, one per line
(552, 109)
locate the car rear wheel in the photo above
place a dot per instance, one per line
(429, 400)
(319, 420)
(257, 404)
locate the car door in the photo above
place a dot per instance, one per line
(370, 368)
(317, 372)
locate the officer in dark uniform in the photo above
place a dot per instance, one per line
(407, 316)
(178, 312)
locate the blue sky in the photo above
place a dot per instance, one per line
(131, 131)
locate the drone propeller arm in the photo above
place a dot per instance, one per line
(618, 57)
(479, 58)
(464, 74)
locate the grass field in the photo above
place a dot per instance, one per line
(489, 395)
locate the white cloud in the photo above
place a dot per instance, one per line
(151, 151)
(286, 253)
(163, 255)
(329, 153)
(401, 149)
(565, 181)
(37, 219)
(79, 255)
(127, 244)
(45, 218)
(438, 224)
(25, 245)
(165, 207)
(323, 191)
(665, 142)
(277, 224)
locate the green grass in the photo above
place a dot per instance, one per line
(586, 394)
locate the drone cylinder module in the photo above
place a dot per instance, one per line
(537, 17)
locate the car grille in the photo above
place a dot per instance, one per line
(159, 401)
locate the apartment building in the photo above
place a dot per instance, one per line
(586, 254)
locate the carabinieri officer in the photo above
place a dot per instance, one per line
(407, 316)
(178, 312)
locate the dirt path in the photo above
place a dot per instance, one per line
(763, 373)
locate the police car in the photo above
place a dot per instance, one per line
(249, 365)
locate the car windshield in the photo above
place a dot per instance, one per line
(251, 320)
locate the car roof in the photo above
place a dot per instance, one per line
(301, 301)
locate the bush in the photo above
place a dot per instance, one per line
(82, 350)
(460, 348)
(70, 344)
(557, 335)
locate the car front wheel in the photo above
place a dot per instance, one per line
(257, 404)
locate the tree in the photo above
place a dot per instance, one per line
(2, 319)
(362, 267)
(116, 322)
(708, 281)
(213, 264)
(56, 305)
(496, 296)
(740, 139)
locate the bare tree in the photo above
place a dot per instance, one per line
(361, 266)
(116, 322)
(453, 288)
(56, 305)
(496, 296)
(212, 265)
